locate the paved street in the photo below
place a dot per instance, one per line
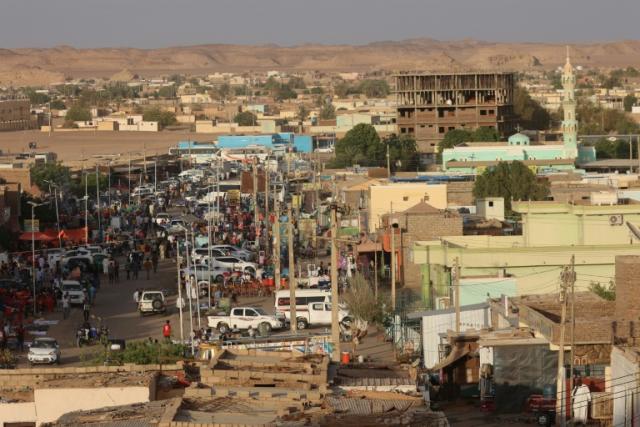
(114, 305)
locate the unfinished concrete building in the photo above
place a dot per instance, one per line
(430, 105)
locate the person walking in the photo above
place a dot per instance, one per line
(154, 260)
(65, 306)
(127, 269)
(147, 267)
(85, 310)
(166, 330)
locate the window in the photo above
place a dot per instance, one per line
(249, 312)
(483, 112)
(490, 204)
(238, 311)
(405, 198)
(440, 129)
(317, 306)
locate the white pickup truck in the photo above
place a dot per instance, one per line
(243, 318)
(318, 314)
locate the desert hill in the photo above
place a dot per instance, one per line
(38, 66)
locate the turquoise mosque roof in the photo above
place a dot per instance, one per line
(519, 139)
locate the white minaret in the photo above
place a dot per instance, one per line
(569, 124)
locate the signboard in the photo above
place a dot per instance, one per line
(31, 225)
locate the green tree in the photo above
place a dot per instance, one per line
(241, 90)
(317, 90)
(485, 134)
(52, 172)
(296, 83)
(177, 79)
(607, 291)
(595, 119)
(167, 92)
(342, 89)
(78, 113)
(530, 114)
(361, 145)
(285, 92)
(164, 118)
(303, 113)
(403, 152)
(328, 111)
(361, 301)
(246, 118)
(36, 98)
(374, 88)
(511, 181)
(57, 104)
(453, 138)
(629, 101)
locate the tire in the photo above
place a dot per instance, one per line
(157, 305)
(223, 328)
(301, 323)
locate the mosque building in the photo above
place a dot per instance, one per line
(475, 157)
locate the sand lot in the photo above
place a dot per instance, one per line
(74, 146)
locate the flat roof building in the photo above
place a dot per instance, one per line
(430, 105)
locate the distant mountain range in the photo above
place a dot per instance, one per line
(34, 66)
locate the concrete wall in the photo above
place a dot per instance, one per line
(400, 197)
(17, 413)
(626, 396)
(55, 402)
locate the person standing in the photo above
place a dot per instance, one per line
(166, 330)
(20, 337)
(154, 260)
(65, 306)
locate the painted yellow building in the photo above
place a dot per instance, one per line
(397, 197)
(552, 234)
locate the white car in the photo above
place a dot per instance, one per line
(235, 251)
(217, 274)
(80, 253)
(201, 254)
(54, 255)
(243, 318)
(237, 264)
(92, 250)
(44, 350)
(152, 302)
(75, 291)
(162, 218)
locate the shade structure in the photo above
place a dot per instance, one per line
(36, 235)
(74, 234)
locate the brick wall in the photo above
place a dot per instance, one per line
(460, 193)
(424, 227)
(627, 312)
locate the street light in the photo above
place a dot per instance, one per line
(33, 252)
(86, 218)
(55, 195)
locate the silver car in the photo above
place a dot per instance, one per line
(44, 350)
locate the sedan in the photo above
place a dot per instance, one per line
(217, 274)
(44, 350)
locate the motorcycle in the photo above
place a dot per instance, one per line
(88, 335)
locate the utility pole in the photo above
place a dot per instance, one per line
(98, 203)
(388, 163)
(335, 320)
(392, 230)
(293, 318)
(567, 279)
(276, 251)
(266, 205)
(256, 221)
(180, 300)
(456, 288)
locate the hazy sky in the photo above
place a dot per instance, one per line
(157, 23)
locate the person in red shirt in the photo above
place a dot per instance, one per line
(166, 330)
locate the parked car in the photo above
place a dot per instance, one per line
(201, 254)
(243, 318)
(318, 314)
(152, 302)
(237, 264)
(202, 272)
(75, 291)
(235, 251)
(54, 255)
(44, 350)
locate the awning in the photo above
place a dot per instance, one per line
(456, 354)
(369, 246)
(36, 235)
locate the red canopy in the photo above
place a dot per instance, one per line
(37, 235)
(74, 234)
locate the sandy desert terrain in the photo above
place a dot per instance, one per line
(43, 66)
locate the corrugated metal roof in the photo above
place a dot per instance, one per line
(368, 406)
